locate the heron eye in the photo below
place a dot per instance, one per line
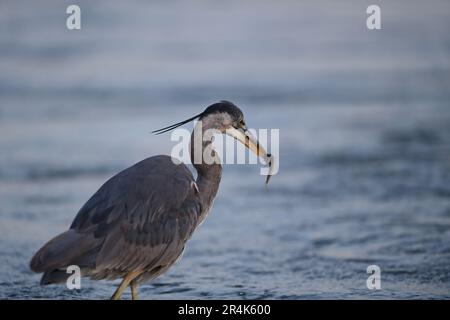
(242, 123)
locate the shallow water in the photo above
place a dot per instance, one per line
(364, 124)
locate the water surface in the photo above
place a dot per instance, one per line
(364, 124)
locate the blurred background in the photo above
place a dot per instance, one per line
(364, 119)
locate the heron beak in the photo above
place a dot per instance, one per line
(247, 139)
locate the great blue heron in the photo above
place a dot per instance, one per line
(136, 225)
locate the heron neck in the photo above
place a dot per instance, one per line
(209, 172)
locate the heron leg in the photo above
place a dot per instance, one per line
(134, 290)
(124, 284)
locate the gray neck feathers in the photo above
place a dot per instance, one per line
(205, 161)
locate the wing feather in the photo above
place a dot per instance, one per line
(145, 214)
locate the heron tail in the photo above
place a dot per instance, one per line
(54, 276)
(68, 248)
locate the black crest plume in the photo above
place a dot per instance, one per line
(222, 106)
(176, 125)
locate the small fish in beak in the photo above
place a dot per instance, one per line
(247, 139)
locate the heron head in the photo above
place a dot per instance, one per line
(222, 116)
(228, 119)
